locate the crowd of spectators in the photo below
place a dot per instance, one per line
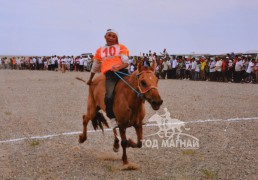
(51, 63)
(227, 68)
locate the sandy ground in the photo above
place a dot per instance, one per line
(37, 103)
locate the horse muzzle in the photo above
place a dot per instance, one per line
(155, 104)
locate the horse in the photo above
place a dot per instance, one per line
(128, 106)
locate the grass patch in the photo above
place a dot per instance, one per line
(189, 152)
(7, 113)
(208, 174)
(34, 143)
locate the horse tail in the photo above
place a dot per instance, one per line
(99, 121)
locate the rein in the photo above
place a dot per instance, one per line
(139, 94)
(116, 73)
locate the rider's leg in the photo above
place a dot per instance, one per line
(111, 80)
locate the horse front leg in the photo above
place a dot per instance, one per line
(116, 141)
(131, 143)
(124, 144)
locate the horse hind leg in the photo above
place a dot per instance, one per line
(91, 112)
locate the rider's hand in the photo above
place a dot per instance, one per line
(89, 82)
(115, 69)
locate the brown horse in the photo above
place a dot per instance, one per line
(128, 106)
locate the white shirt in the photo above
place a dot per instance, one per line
(132, 68)
(197, 68)
(64, 60)
(174, 63)
(193, 65)
(218, 65)
(40, 60)
(250, 67)
(239, 65)
(212, 66)
(81, 61)
(165, 65)
(53, 60)
(187, 65)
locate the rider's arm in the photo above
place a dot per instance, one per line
(125, 64)
(95, 69)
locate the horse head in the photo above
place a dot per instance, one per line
(148, 85)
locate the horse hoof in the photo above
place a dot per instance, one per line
(82, 138)
(115, 149)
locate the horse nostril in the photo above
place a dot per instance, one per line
(158, 103)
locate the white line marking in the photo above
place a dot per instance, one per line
(146, 125)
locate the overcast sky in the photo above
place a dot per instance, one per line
(72, 27)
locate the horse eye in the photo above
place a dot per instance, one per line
(143, 83)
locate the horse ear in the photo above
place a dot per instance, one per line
(153, 66)
(140, 66)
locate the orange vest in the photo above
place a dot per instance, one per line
(110, 56)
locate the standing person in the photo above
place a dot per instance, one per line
(52, 63)
(174, 66)
(169, 71)
(181, 68)
(63, 63)
(193, 66)
(250, 72)
(18, 63)
(238, 70)
(202, 70)
(218, 66)
(34, 59)
(212, 69)
(197, 70)
(187, 69)
(229, 70)
(14, 62)
(49, 63)
(81, 64)
(41, 65)
(164, 69)
(224, 70)
(71, 63)
(109, 59)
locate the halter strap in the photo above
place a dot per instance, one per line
(148, 88)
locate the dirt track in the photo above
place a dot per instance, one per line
(36, 103)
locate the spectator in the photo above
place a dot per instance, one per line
(202, 70)
(165, 68)
(218, 66)
(212, 69)
(197, 70)
(174, 66)
(229, 70)
(224, 70)
(193, 66)
(238, 70)
(187, 69)
(251, 76)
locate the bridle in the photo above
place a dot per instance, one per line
(145, 90)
